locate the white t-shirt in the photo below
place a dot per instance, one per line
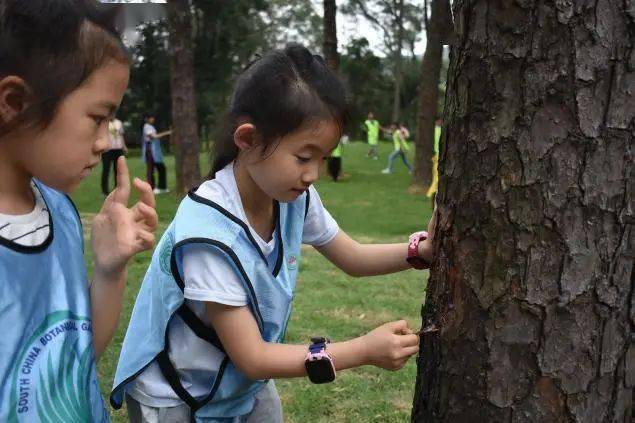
(208, 277)
(28, 230)
(115, 134)
(149, 132)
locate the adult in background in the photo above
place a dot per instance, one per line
(153, 155)
(116, 147)
(372, 132)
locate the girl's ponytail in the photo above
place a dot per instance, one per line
(225, 151)
(279, 93)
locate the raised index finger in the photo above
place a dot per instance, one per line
(122, 190)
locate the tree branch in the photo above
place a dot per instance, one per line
(362, 8)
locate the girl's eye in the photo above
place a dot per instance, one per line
(99, 120)
(303, 159)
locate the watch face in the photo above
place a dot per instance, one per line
(320, 371)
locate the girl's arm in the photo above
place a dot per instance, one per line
(163, 134)
(389, 346)
(118, 233)
(357, 259)
(106, 297)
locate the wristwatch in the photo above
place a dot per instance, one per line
(413, 251)
(319, 363)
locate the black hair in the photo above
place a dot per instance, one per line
(54, 46)
(279, 93)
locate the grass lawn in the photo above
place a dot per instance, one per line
(371, 207)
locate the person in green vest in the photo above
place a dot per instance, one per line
(372, 132)
(432, 191)
(400, 149)
(334, 164)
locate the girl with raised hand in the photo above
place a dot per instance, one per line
(63, 73)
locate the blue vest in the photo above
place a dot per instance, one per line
(270, 288)
(155, 149)
(47, 361)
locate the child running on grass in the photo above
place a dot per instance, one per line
(400, 148)
(63, 73)
(207, 331)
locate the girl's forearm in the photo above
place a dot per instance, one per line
(287, 361)
(106, 296)
(365, 259)
(379, 259)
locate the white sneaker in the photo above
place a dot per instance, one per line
(156, 191)
(164, 191)
(386, 171)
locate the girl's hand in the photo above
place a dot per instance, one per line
(391, 345)
(120, 232)
(425, 246)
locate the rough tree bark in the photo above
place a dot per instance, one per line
(184, 119)
(533, 279)
(437, 32)
(330, 35)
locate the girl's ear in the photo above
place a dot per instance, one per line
(245, 136)
(14, 98)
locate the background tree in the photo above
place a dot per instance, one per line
(438, 30)
(400, 23)
(298, 21)
(229, 35)
(148, 90)
(533, 282)
(330, 35)
(368, 84)
(184, 123)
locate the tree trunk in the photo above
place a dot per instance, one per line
(439, 25)
(184, 120)
(533, 280)
(330, 35)
(397, 57)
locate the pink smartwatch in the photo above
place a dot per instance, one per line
(413, 257)
(319, 363)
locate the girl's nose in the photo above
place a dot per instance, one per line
(311, 175)
(101, 144)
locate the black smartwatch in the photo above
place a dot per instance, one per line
(319, 363)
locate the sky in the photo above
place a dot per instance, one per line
(348, 26)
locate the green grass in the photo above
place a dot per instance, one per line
(371, 207)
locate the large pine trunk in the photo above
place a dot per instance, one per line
(184, 119)
(533, 279)
(439, 25)
(330, 35)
